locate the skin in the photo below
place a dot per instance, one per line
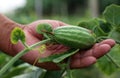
(79, 60)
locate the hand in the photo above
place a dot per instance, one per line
(79, 60)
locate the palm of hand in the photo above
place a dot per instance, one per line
(79, 60)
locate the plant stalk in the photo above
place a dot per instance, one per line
(20, 54)
(112, 60)
(26, 46)
(68, 68)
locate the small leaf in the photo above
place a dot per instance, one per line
(16, 35)
(43, 28)
(42, 48)
(112, 14)
(56, 58)
(60, 58)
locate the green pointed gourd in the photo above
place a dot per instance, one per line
(74, 37)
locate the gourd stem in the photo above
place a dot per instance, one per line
(15, 58)
(62, 72)
(112, 60)
(68, 68)
(101, 37)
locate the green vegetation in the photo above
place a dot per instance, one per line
(105, 27)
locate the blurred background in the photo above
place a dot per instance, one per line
(68, 11)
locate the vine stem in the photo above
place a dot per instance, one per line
(112, 60)
(101, 38)
(68, 68)
(15, 58)
(26, 46)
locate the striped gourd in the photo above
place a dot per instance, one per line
(74, 37)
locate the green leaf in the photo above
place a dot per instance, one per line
(60, 58)
(16, 35)
(112, 14)
(115, 53)
(106, 27)
(53, 74)
(24, 71)
(115, 34)
(15, 71)
(34, 74)
(43, 28)
(106, 65)
(90, 24)
(56, 58)
(3, 59)
(102, 29)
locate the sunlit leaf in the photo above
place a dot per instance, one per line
(15, 71)
(25, 71)
(16, 35)
(34, 74)
(43, 28)
(112, 14)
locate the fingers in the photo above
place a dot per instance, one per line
(62, 23)
(82, 62)
(54, 23)
(103, 47)
(87, 58)
(110, 42)
(101, 50)
(98, 50)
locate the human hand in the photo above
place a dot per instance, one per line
(79, 60)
